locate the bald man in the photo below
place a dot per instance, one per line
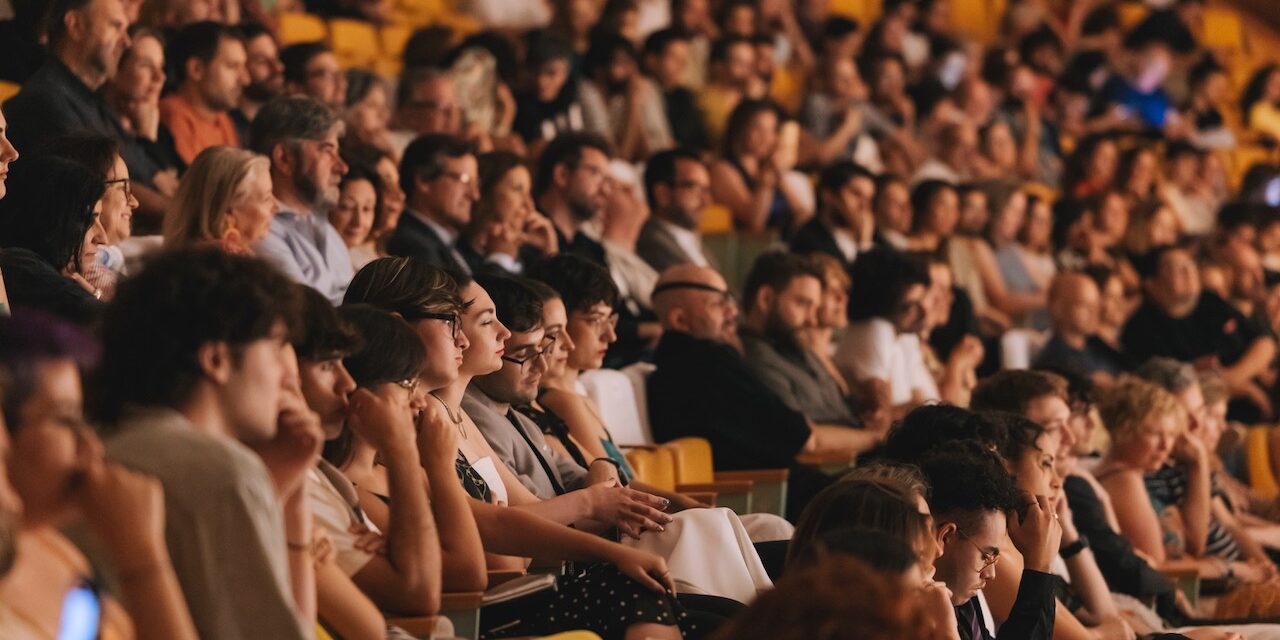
(1075, 307)
(703, 387)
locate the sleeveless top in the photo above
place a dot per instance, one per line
(779, 213)
(553, 425)
(1168, 487)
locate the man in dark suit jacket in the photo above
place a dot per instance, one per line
(678, 187)
(441, 181)
(844, 225)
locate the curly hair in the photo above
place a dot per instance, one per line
(934, 426)
(1021, 435)
(967, 480)
(880, 278)
(1131, 402)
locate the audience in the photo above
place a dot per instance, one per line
(595, 187)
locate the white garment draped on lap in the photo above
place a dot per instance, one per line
(766, 527)
(699, 545)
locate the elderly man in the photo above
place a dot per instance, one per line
(1075, 308)
(704, 387)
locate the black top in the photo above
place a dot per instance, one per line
(32, 283)
(554, 426)
(685, 119)
(962, 322)
(1096, 356)
(815, 237)
(413, 238)
(704, 388)
(472, 482)
(1213, 328)
(54, 101)
(1031, 618)
(1124, 571)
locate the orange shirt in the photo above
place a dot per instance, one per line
(193, 132)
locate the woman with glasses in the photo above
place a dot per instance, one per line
(45, 256)
(442, 313)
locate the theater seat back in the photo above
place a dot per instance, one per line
(621, 399)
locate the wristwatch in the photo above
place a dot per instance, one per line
(1074, 548)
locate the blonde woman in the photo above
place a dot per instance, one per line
(224, 199)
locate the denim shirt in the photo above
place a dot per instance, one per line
(308, 249)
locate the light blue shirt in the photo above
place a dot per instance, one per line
(308, 249)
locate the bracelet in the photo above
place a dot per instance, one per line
(1074, 549)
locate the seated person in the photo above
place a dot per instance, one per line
(300, 137)
(1222, 527)
(1042, 397)
(356, 216)
(399, 578)
(188, 409)
(880, 352)
(431, 301)
(833, 315)
(208, 60)
(1178, 320)
(1075, 309)
(506, 228)
(45, 256)
(844, 226)
(678, 189)
(1165, 522)
(59, 479)
(439, 176)
(225, 200)
(571, 420)
(704, 387)
(782, 294)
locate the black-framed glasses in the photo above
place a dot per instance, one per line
(450, 319)
(530, 352)
(988, 557)
(125, 183)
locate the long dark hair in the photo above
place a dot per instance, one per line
(1256, 87)
(391, 352)
(49, 208)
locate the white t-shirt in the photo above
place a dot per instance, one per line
(872, 349)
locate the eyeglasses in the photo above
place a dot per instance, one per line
(125, 183)
(450, 319)
(529, 353)
(598, 322)
(988, 557)
(410, 385)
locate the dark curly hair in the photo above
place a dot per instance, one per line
(1021, 434)
(969, 480)
(581, 283)
(934, 426)
(160, 318)
(880, 278)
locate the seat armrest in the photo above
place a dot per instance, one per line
(498, 577)
(735, 486)
(826, 458)
(460, 600)
(705, 497)
(755, 475)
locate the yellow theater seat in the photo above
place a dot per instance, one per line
(1258, 458)
(8, 90)
(1223, 29)
(301, 27)
(716, 218)
(354, 42)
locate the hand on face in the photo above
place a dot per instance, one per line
(296, 445)
(1036, 534)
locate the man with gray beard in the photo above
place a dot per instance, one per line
(300, 136)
